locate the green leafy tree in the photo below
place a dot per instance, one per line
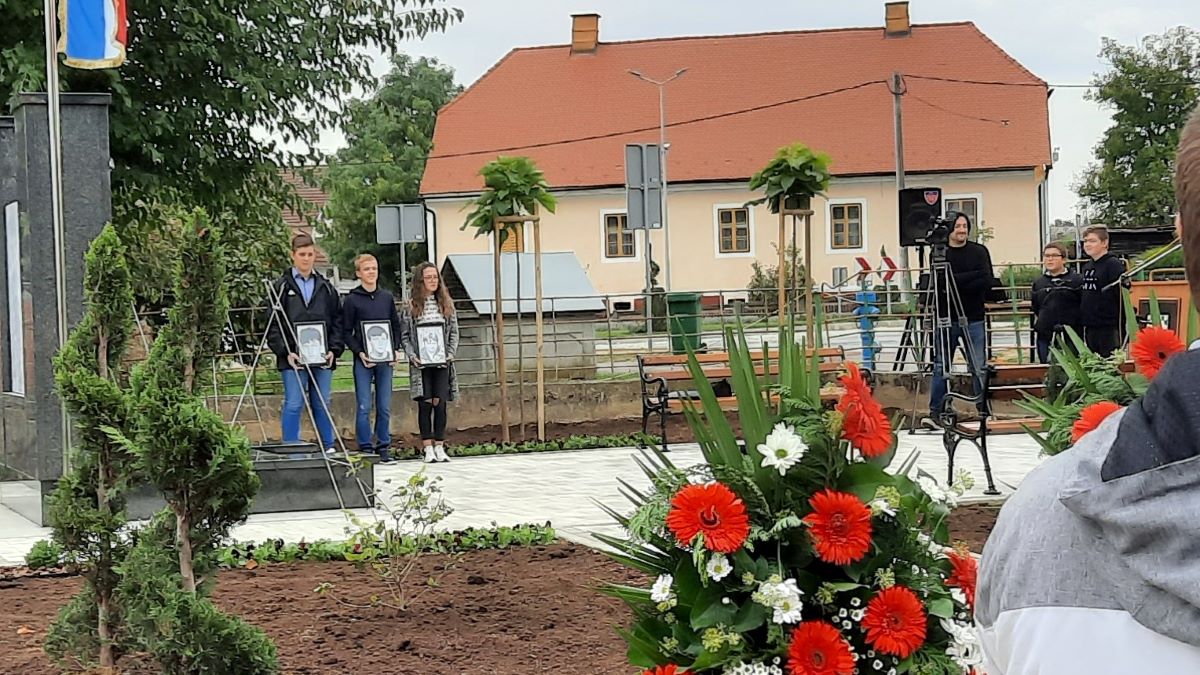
(1151, 87)
(388, 136)
(87, 508)
(207, 89)
(202, 468)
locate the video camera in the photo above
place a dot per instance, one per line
(939, 231)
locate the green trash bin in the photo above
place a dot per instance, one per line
(683, 312)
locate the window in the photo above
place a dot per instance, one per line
(618, 240)
(733, 230)
(845, 226)
(969, 206)
(15, 382)
(840, 274)
(515, 242)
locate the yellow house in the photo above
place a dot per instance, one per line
(975, 123)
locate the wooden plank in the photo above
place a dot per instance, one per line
(730, 402)
(1016, 392)
(1000, 427)
(725, 372)
(1013, 372)
(830, 353)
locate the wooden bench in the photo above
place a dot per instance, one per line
(666, 380)
(1001, 382)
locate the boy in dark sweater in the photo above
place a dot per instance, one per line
(375, 353)
(1100, 302)
(1055, 299)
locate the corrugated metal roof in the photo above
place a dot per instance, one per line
(565, 284)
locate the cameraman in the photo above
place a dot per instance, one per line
(971, 269)
(1055, 299)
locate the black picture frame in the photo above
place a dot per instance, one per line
(312, 343)
(430, 341)
(377, 341)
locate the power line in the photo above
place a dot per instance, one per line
(957, 113)
(626, 132)
(955, 80)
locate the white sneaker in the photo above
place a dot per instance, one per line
(330, 451)
(430, 457)
(439, 453)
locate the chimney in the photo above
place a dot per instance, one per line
(896, 19)
(585, 33)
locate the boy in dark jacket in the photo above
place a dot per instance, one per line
(1055, 299)
(305, 302)
(372, 376)
(1100, 302)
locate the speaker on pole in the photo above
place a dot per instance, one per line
(918, 208)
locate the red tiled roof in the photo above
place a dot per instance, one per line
(534, 98)
(314, 196)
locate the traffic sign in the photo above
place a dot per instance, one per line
(891, 271)
(865, 265)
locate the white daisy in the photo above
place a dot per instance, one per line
(783, 597)
(661, 591)
(879, 506)
(782, 448)
(930, 487)
(964, 648)
(718, 567)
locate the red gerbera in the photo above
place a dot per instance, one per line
(1091, 417)
(840, 525)
(818, 648)
(712, 510)
(669, 669)
(1152, 347)
(964, 571)
(895, 622)
(863, 421)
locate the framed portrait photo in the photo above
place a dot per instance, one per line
(311, 340)
(377, 341)
(431, 344)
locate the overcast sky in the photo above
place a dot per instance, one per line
(1058, 41)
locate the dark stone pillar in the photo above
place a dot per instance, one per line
(32, 422)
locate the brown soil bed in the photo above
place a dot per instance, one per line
(509, 612)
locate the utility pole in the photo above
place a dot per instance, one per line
(662, 163)
(898, 91)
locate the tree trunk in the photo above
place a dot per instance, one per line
(103, 603)
(103, 593)
(183, 537)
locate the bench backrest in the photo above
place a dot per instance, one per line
(674, 367)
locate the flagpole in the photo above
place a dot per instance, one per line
(56, 196)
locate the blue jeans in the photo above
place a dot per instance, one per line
(1043, 348)
(379, 376)
(297, 391)
(976, 352)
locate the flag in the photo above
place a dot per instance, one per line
(93, 33)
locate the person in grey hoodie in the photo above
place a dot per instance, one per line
(1094, 564)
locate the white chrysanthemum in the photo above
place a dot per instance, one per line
(718, 567)
(661, 590)
(957, 594)
(935, 549)
(930, 487)
(783, 597)
(744, 668)
(964, 647)
(879, 506)
(782, 448)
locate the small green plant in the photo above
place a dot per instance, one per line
(391, 546)
(515, 187)
(763, 288)
(45, 553)
(792, 178)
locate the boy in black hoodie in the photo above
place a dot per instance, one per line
(372, 377)
(1100, 302)
(1055, 299)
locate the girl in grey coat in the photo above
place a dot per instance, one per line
(431, 384)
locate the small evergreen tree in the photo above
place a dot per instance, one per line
(202, 468)
(87, 510)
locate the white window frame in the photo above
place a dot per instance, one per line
(979, 217)
(637, 239)
(750, 229)
(861, 202)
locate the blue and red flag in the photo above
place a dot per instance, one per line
(93, 33)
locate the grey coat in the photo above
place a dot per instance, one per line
(408, 332)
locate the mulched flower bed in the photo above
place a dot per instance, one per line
(501, 612)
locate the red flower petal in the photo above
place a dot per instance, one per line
(863, 421)
(1152, 347)
(818, 648)
(1091, 417)
(964, 572)
(840, 525)
(895, 622)
(669, 669)
(712, 510)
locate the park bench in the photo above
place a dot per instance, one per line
(667, 381)
(1001, 382)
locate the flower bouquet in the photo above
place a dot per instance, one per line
(794, 550)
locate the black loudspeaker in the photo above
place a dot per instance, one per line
(918, 208)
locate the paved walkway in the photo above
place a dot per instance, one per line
(563, 488)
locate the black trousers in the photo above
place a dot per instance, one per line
(1102, 340)
(435, 384)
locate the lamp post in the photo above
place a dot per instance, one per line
(662, 163)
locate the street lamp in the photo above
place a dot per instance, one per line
(662, 163)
